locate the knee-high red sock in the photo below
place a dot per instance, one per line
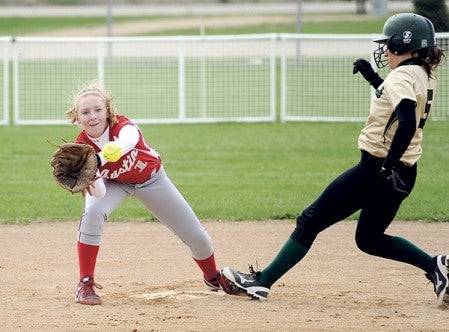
(87, 258)
(208, 266)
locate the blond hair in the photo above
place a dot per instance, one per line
(93, 88)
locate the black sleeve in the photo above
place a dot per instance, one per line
(376, 81)
(406, 115)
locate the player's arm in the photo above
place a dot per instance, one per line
(406, 114)
(367, 71)
(126, 141)
(97, 187)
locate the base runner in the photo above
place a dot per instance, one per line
(390, 145)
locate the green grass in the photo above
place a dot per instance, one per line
(17, 26)
(227, 171)
(370, 25)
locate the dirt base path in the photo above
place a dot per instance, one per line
(151, 284)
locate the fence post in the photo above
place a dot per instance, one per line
(100, 62)
(6, 109)
(273, 78)
(181, 79)
(16, 82)
(283, 87)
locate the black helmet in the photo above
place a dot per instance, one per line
(402, 33)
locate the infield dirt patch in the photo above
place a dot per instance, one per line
(151, 284)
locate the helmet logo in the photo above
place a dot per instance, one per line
(407, 35)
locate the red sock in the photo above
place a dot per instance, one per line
(208, 266)
(87, 258)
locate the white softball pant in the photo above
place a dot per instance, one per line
(160, 196)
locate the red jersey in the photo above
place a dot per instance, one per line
(136, 166)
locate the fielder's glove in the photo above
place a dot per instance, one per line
(75, 166)
(364, 67)
(393, 182)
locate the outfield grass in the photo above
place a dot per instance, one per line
(227, 171)
(18, 26)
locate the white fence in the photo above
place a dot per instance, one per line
(247, 78)
(317, 83)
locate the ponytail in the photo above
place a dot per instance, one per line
(431, 58)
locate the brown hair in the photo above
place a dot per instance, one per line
(93, 88)
(431, 58)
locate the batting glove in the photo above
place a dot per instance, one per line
(393, 182)
(368, 73)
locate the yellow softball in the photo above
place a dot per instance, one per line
(112, 151)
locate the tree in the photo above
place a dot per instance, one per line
(434, 10)
(361, 6)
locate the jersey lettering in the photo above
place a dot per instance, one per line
(127, 164)
(140, 166)
(423, 120)
(136, 166)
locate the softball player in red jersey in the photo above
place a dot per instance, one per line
(139, 173)
(390, 145)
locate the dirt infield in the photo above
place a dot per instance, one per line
(151, 284)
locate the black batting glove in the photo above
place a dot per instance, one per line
(367, 71)
(392, 181)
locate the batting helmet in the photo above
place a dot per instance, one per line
(402, 33)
